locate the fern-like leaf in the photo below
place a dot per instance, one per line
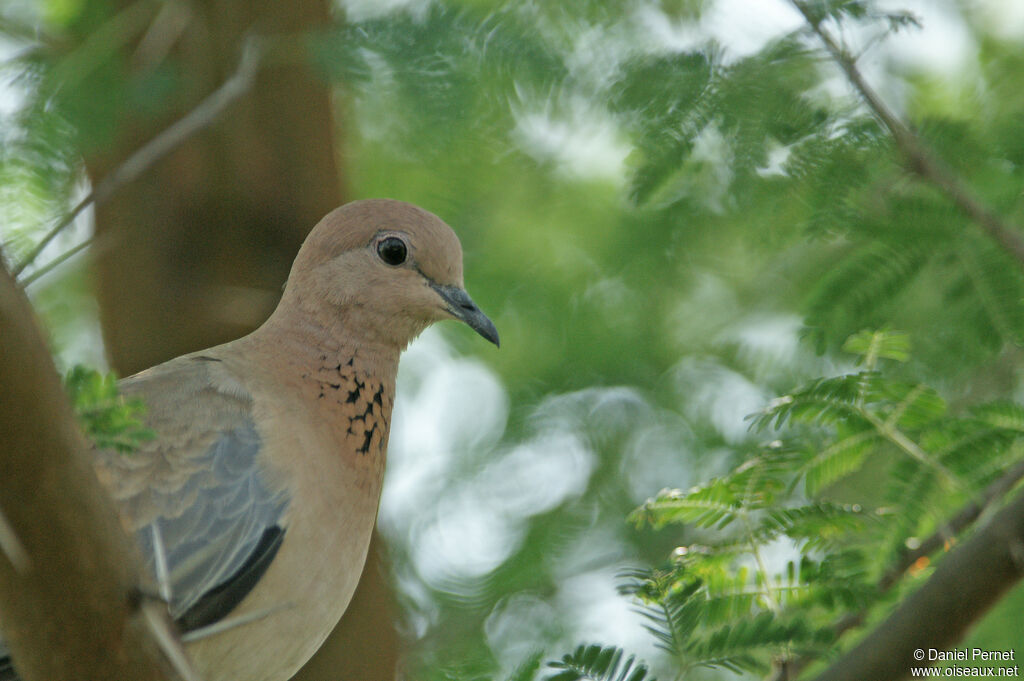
(715, 503)
(851, 295)
(671, 604)
(874, 345)
(1002, 414)
(747, 644)
(820, 524)
(597, 663)
(840, 458)
(822, 402)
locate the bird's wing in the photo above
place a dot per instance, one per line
(197, 494)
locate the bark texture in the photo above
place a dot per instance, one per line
(969, 580)
(69, 576)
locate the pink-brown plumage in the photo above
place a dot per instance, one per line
(269, 452)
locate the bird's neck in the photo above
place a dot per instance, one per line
(351, 381)
(331, 335)
(298, 343)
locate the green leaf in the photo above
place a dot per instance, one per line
(908, 405)
(838, 459)
(598, 663)
(748, 644)
(713, 504)
(862, 283)
(826, 401)
(1001, 414)
(821, 524)
(873, 345)
(107, 418)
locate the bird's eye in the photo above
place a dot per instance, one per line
(392, 250)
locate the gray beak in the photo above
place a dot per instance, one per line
(461, 306)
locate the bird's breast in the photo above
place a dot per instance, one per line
(357, 402)
(325, 442)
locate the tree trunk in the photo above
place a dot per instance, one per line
(196, 250)
(70, 578)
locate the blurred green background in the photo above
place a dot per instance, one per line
(674, 211)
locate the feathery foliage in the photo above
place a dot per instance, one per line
(719, 603)
(595, 663)
(106, 417)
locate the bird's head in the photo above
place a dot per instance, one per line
(384, 268)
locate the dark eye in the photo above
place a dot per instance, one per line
(392, 250)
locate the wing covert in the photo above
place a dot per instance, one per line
(200, 487)
(232, 509)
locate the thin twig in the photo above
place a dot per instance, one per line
(43, 270)
(51, 235)
(888, 431)
(200, 117)
(919, 158)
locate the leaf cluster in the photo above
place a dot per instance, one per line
(597, 663)
(106, 417)
(720, 604)
(721, 135)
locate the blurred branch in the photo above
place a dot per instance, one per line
(949, 531)
(918, 157)
(70, 593)
(963, 587)
(942, 536)
(205, 113)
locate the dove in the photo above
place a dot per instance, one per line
(254, 503)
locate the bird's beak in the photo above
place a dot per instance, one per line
(461, 306)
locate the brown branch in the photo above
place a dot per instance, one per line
(918, 157)
(70, 603)
(194, 121)
(966, 517)
(957, 524)
(969, 580)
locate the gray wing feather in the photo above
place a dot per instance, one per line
(200, 482)
(216, 534)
